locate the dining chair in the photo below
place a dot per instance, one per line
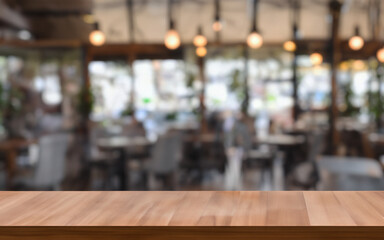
(100, 164)
(166, 157)
(305, 175)
(50, 168)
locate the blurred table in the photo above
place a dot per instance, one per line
(202, 138)
(377, 144)
(10, 148)
(286, 144)
(377, 138)
(122, 144)
(202, 215)
(281, 140)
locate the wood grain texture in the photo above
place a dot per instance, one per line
(191, 215)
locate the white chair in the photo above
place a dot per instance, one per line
(50, 168)
(349, 174)
(166, 158)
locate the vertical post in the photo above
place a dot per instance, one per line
(335, 8)
(132, 97)
(203, 122)
(86, 84)
(296, 108)
(379, 98)
(295, 32)
(245, 103)
(85, 103)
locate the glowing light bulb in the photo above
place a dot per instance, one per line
(380, 55)
(97, 38)
(290, 46)
(316, 58)
(356, 43)
(172, 39)
(200, 41)
(217, 26)
(201, 51)
(254, 40)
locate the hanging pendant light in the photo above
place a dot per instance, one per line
(217, 24)
(172, 38)
(200, 40)
(316, 58)
(290, 45)
(380, 55)
(356, 42)
(254, 39)
(97, 37)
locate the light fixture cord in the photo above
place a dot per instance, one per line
(296, 18)
(170, 17)
(254, 17)
(131, 26)
(217, 10)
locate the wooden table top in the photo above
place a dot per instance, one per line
(248, 209)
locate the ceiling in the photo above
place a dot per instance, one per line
(58, 19)
(275, 24)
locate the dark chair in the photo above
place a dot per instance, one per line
(305, 175)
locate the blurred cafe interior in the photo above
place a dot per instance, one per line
(191, 95)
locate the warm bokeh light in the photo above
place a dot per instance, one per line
(344, 66)
(380, 55)
(97, 38)
(254, 40)
(316, 58)
(289, 46)
(356, 43)
(172, 39)
(201, 51)
(358, 65)
(217, 26)
(200, 41)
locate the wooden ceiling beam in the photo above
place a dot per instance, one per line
(11, 18)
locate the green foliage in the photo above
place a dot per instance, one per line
(86, 101)
(128, 112)
(375, 107)
(350, 109)
(11, 102)
(171, 116)
(190, 79)
(235, 84)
